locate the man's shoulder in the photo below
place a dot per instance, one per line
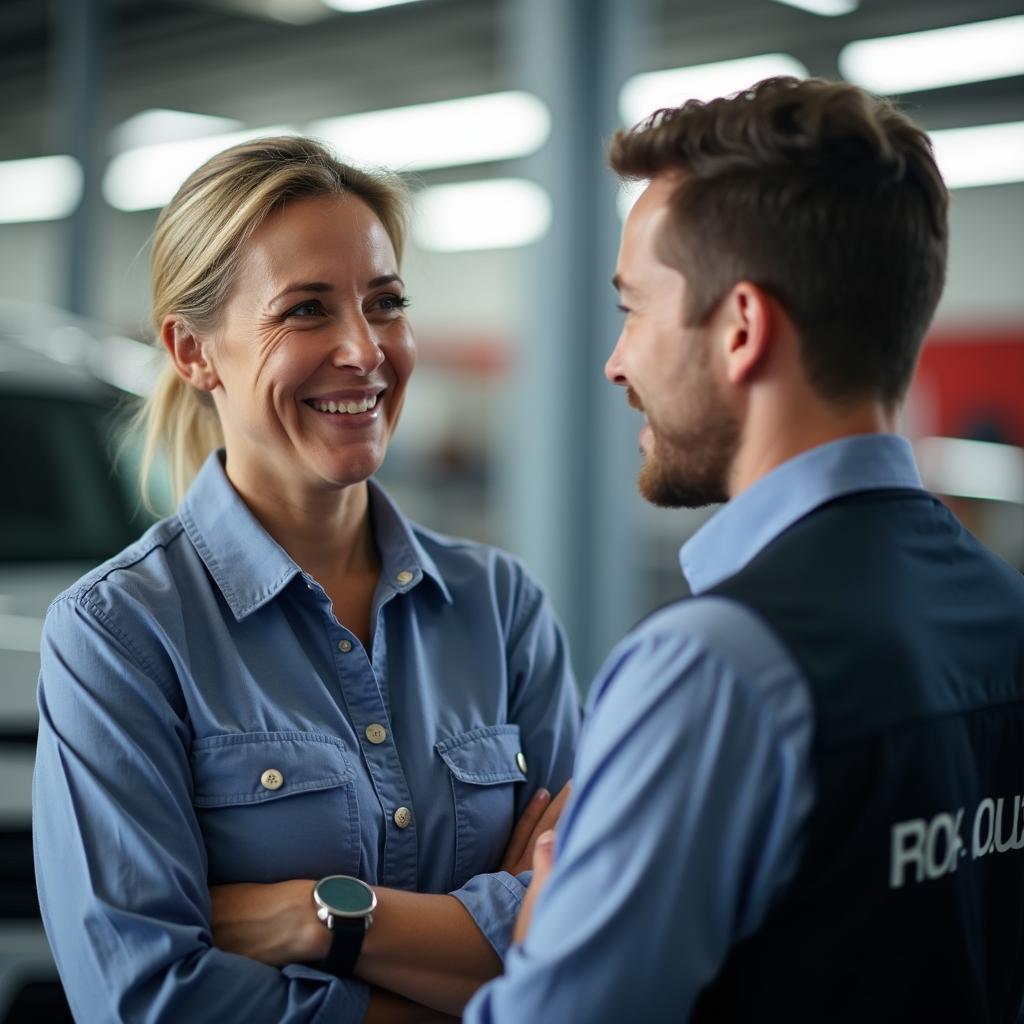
(701, 640)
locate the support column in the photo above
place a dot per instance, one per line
(568, 472)
(78, 54)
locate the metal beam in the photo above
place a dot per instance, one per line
(567, 491)
(78, 53)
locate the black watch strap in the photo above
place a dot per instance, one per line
(347, 936)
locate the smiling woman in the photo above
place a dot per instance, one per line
(287, 680)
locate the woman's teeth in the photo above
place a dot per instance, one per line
(346, 407)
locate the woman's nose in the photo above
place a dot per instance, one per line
(356, 347)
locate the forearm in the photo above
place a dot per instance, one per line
(426, 948)
(388, 1008)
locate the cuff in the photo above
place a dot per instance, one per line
(493, 901)
(347, 1000)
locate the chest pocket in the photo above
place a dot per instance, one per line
(484, 768)
(275, 805)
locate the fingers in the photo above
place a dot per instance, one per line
(543, 856)
(523, 832)
(543, 861)
(547, 821)
(553, 812)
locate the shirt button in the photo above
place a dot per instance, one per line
(376, 733)
(403, 816)
(404, 577)
(344, 646)
(271, 779)
(521, 762)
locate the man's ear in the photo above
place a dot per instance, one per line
(749, 324)
(188, 353)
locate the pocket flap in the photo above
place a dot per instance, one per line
(253, 767)
(484, 756)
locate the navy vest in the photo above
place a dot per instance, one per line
(908, 903)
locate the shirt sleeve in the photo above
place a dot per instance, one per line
(692, 788)
(544, 703)
(120, 861)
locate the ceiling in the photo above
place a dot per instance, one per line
(211, 56)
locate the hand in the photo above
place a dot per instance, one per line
(541, 815)
(275, 924)
(543, 861)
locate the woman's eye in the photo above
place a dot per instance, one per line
(390, 303)
(305, 309)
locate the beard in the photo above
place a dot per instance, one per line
(688, 465)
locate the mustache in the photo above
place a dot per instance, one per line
(634, 399)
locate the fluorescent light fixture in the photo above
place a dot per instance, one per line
(972, 469)
(643, 94)
(937, 58)
(826, 8)
(358, 6)
(986, 154)
(39, 188)
(475, 129)
(150, 127)
(147, 177)
(498, 214)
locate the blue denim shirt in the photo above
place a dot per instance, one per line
(204, 718)
(693, 782)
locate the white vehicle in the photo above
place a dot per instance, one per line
(66, 503)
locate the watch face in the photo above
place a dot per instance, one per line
(346, 895)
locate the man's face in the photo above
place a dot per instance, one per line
(672, 372)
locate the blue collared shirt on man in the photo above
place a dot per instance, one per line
(693, 783)
(205, 719)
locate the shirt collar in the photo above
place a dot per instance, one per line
(739, 530)
(251, 568)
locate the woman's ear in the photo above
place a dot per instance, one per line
(750, 323)
(188, 354)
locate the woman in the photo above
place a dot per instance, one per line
(287, 680)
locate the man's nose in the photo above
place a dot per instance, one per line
(613, 367)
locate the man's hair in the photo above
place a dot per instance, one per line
(824, 196)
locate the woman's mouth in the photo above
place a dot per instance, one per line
(351, 407)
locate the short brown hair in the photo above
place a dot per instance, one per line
(821, 194)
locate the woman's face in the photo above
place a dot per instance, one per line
(312, 350)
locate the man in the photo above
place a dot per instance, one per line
(799, 795)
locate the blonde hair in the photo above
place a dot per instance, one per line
(197, 249)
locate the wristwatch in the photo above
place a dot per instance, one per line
(345, 905)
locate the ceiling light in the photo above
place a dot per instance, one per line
(643, 94)
(149, 127)
(39, 188)
(826, 8)
(147, 177)
(498, 214)
(358, 6)
(987, 154)
(937, 58)
(972, 469)
(498, 126)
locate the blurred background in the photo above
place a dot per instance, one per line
(498, 111)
